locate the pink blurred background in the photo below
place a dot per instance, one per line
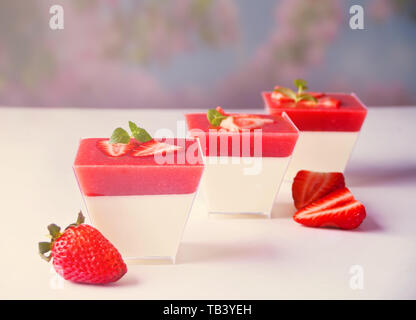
(202, 53)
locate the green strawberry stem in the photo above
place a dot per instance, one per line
(80, 220)
(55, 233)
(45, 247)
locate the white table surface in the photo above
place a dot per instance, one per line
(218, 258)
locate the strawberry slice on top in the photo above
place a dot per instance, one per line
(115, 149)
(338, 209)
(218, 118)
(328, 102)
(221, 111)
(229, 125)
(153, 147)
(244, 122)
(250, 121)
(309, 186)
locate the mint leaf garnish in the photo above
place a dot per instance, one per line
(300, 95)
(301, 85)
(308, 97)
(287, 92)
(120, 136)
(214, 117)
(139, 133)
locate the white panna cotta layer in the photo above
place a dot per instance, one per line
(242, 185)
(323, 151)
(142, 227)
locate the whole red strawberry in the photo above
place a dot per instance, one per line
(82, 254)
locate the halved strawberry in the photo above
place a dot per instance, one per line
(153, 147)
(338, 209)
(221, 110)
(251, 122)
(239, 122)
(309, 186)
(229, 125)
(115, 149)
(328, 102)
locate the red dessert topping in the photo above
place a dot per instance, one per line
(348, 115)
(101, 175)
(278, 135)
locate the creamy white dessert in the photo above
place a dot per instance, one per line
(322, 151)
(144, 226)
(242, 185)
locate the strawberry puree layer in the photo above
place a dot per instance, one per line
(101, 175)
(278, 139)
(349, 116)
